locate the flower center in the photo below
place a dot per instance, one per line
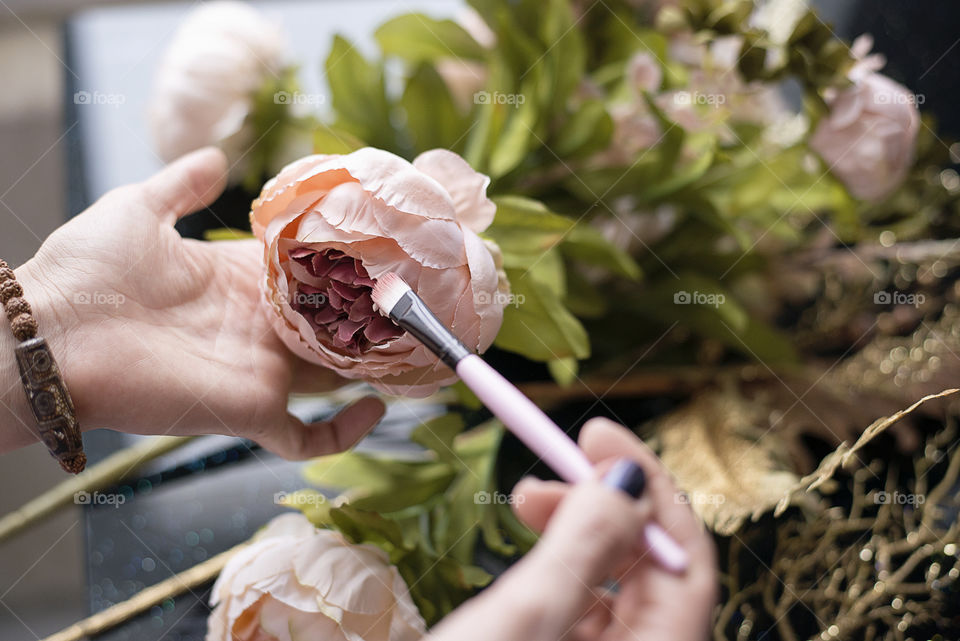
(333, 292)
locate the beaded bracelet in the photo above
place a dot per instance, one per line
(46, 392)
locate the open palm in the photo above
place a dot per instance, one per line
(158, 334)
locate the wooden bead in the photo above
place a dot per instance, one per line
(7, 274)
(16, 306)
(24, 327)
(9, 289)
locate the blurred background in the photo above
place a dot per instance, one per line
(49, 170)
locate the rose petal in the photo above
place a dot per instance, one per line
(467, 188)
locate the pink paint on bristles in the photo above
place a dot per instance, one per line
(388, 289)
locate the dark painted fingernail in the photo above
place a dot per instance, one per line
(627, 476)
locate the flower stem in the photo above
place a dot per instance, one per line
(146, 598)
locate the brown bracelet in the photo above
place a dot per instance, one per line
(46, 392)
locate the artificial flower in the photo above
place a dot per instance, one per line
(332, 225)
(204, 88)
(869, 137)
(298, 583)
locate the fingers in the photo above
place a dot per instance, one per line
(603, 439)
(594, 529)
(186, 185)
(295, 441)
(536, 500)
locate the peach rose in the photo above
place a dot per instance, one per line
(869, 137)
(332, 225)
(297, 583)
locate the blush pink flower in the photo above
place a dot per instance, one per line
(332, 225)
(298, 583)
(869, 137)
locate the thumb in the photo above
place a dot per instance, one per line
(296, 441)
(186, 185)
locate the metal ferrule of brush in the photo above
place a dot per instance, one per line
(414, 316)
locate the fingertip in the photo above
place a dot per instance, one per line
(207, 171)
(535, 500)
(527, 484)
(598, 428)
(188, 184)
(363, 414)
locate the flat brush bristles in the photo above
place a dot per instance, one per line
(387, 291)
(394, 298)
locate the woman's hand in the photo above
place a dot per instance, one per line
(156, 334)
(592, 534)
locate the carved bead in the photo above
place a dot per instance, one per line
(9, 289)
(24, 327)
(16, 306)
(6, 273)
(51, 404)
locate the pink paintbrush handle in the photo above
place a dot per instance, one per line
(550, 443)
(525, 419)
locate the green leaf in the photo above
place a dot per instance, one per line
(314, 505)
(706, 307)
(525, 228)
(549, 270)
(702, 147)
(539, 326)
(518, 136)
(488, 116)
(226, 233)
(564, 57)
(588, 130)
(380, 484)
(437, 435)
(362, 526)
(563, 370)
(587, 244)
(272, 122)
(417, 37)
(359, 95)
(583, 297)
(455, 519)
(330, 140)
(433, 120)
(466, 396)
